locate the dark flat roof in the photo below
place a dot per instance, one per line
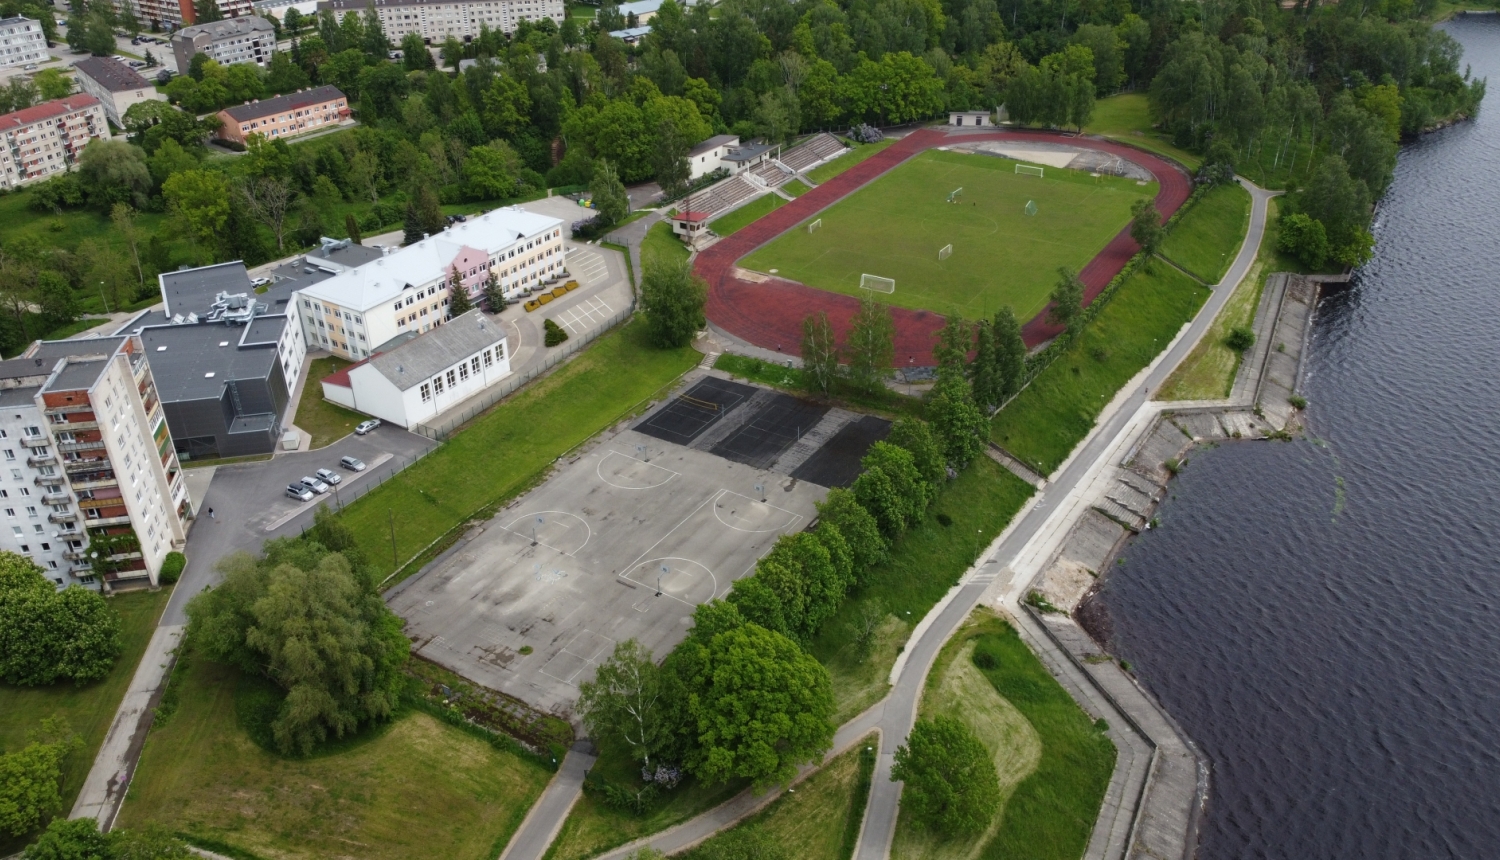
(23, 396)
(112, 74)
(192, 290)
(193, 352)
(716, 140)
(747, 152)
(20, 368)
(291, 101)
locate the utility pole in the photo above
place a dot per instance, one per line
(394, 562)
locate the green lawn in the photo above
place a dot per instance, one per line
(743, 216)
(924, 565)
(1044, 422)
(532, 429)
(593, 826)
(88, 709)
(1127, 117)
(825, 172)
(795, 188)
(415, 787)
(1207, 237)
(820, 818)
(327, 422)
(895, 226)
(660, 240)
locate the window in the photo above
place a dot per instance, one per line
(426, 392)
(33, 431)
(9, 454)
(437, 384)
(488, 358)
(451, 380)
(474, 364)
(25, 491)
(30, 511)
(463, 371)
(37, 529)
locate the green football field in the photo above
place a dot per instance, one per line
(895, 226)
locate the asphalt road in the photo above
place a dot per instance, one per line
(248, 497)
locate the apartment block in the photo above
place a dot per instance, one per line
(116, 86)
(405, 293)
(249, 39)
(436, 20)
(47, 138)
(21, 42)
(284, 116)
(88, 464)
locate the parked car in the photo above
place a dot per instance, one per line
(300, 493)
(259, 282)
(315, 485)
(29, 67)
(353, 464)
(367, 426)
(329, 476)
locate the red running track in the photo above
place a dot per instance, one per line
(769, 314)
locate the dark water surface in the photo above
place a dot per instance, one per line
(1323, 617)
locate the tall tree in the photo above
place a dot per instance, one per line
(270, 201)
(493, 295)
(1067, 298)
(951, 782)
(984, 380)
(1010, 356)
(820, 352)
(351, 228)
(123, 218)
(871, 345)
(608, 193)
(411, 226)
(860, 531)
(670, 160)
(623, 704)
(1145, 226)
(458, 295)
(672, 298)
(926, 450)
(958, 423)
(430, 215)
(48, 635)
(955, 339)
(30, 778)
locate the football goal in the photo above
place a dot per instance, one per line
(955, 194)
(1029, 169)
(877, 284)
(813, 227)
(1030, 207)
(945, 252)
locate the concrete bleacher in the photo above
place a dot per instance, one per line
(723, 195)
(772, 174)
(813, 151)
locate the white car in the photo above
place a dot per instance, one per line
(259, 282)
(315, 485)
(329, 477)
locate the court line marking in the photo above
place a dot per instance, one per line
(795, 517)
(587, 661)
(613, 453)
(586, 525)
(712, 594)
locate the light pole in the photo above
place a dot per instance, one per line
(102, 298)
(664, 570)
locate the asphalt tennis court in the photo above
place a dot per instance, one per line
(836, 464)
(695, 410)
(775, 427)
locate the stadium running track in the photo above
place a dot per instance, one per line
(769, 314)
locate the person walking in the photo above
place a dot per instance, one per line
(211, 514)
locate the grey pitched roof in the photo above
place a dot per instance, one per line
(291, 101)
(421, 358)
(716, 140)
(112, 74)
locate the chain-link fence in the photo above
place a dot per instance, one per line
(448, 422)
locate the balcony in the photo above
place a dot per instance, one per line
(46, 458)
(98, 464)
(95, 482)
(74, 447)
(68, 410)
(122, 520)
(81, 554)
(56, 498)
(63, 516)
(67, 426)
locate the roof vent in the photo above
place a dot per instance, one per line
(223, 343)
(209, 375)
(158, 349)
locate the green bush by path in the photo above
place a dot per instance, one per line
(895, 226)
(1043, 423)
(500, 453)
(823, 173)
(928, 561)
(743, 216)
(411, 787)
(1208, 236)
(89, 709)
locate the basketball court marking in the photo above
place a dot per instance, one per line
(585, 265)
(528, 520)
(688, 414)
(677, 568)
(587, 314)
(691, 514)
(578, 655)
(599, 470)
(792, 518)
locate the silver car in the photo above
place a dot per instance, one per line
(315, 485)
(329, 477)
(367, 426)
(353, 464)
(300, 493)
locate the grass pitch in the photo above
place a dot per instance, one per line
(895, 226)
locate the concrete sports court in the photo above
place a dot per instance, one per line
(628, 537)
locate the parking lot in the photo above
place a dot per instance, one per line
(623, 542)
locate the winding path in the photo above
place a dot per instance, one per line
(769, 314)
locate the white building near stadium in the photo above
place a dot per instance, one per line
(436, 20)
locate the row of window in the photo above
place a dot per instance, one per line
(461, 372)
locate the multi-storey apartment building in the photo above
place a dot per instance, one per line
(88, 463)
(249, 39)
(116, 86)
(47, 138)
(21, 41)
(436, 20)
(284, 116)
(406, 292)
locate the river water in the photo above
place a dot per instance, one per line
(1323, 616)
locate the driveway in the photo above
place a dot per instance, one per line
(250, 505)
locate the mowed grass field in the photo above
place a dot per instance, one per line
(895, 226)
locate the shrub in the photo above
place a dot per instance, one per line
(1297, 401)
(532, 305)
(171, 568)
(1304, 238)
(543, 298)
(1240, 338)
(554, 333)
(560, 292)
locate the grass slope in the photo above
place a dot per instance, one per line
(661, 241)
(1209, 235)
(743, 216)
(1127, 118)
(500, 453)
(815, 820)
(88, 709)
(412, 788)
(1044, 422)
(327, 422)
(823, 173)
(924, 565)
(895, 226)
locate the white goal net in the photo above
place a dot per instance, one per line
(955, 195)
(945, 252)
(1030, 207)
(877, 284)
(1029, 169)
(813, 227)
